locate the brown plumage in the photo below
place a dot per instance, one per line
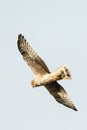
(42, 74)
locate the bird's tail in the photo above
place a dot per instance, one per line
(62, 73)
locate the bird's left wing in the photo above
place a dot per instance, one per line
(37, 65)
(60, 94)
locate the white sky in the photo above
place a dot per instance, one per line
(58, 32)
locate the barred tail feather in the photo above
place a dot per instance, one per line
(62, 73)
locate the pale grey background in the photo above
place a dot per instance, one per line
(57, 30)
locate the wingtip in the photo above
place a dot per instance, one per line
(75, 109)
(20, 36)
(71, 105)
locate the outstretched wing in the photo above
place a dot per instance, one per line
(59, 93)
(37, 65)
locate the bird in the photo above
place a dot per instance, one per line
(43, 76)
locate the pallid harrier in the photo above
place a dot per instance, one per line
(42, 74)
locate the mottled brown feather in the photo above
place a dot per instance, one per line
(37, 65)
(60, 94)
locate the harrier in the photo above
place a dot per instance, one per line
(43, 76)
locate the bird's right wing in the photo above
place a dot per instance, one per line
(59, 93)
(37, 65)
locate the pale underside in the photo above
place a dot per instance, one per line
(42, 74)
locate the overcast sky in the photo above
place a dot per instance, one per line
(57, 30)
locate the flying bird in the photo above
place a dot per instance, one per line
(43, 76)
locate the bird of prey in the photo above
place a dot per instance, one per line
(43, 76)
